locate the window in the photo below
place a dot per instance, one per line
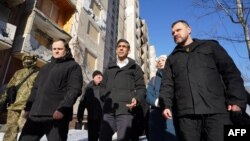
(43, 38)
(49, 9)
(57, 10)
(90, 61)
(96, 8)
(93, 33)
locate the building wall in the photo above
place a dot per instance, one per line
(152, 61)
(10, 16)
(111, 32)
(134, 29)
(36, 29)
(131, 15)
(89, 33)
(144, 48)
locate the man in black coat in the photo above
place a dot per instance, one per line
(91, 100)
(50, 105)
(202, 83)
(125, 88)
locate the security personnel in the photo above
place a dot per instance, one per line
(15, 120)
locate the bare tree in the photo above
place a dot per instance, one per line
(238, 12)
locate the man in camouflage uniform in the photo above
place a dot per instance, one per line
(15, 120)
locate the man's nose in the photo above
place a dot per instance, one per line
(175, 33)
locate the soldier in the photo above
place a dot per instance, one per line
(15, 120)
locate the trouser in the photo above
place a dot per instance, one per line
(120, 123)
(157, 125)
(15, 122)
(138, 123)
(208, 127)
(55, 130)
(94, 129)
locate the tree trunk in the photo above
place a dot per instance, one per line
(243, 22)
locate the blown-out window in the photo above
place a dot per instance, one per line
(60, 11)
(96, 8)
(90, 61)
(93, 33)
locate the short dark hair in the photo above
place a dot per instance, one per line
(179, 21)
(122, 40)
(96, 72)
(65, 43)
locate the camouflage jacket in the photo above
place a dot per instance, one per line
(23, 92)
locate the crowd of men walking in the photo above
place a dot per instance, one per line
(196, 91)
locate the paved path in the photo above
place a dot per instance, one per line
(73, 135)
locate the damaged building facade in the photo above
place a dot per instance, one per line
(37, 23)
(92, 28)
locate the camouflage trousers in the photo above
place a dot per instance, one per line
(15, 122)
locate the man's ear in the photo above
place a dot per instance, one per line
(189, 30)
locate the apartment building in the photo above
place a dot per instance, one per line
(111, 31)
(152, 61)
(144, 50)
(37, 23)
(92, 27)
(10, 16)
(89, 35)
(134, 29)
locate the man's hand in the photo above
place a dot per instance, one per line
(233, 108)
(167, 114)
(236, 114)
(132, 104)
(57, 115)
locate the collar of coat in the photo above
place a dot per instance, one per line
(195, 44)
(92, 84)
(159, 72)
(113, 64)
(67, 57)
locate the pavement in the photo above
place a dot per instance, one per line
(74, 135)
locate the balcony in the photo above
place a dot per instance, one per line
(49, 27)
(7, 33)
(38, 37)
(12, 3)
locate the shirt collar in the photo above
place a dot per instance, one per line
(122, 64)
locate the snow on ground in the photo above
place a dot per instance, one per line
(73, 135)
